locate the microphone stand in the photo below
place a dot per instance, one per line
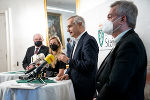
(37, 77)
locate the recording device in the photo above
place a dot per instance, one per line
(24, 77)
(49, 58)
(36, 59)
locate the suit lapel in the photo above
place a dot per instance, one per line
(129, 32)
(72, 50)
(80, 43)
(40, 50)
(33, 49)
(102, 66)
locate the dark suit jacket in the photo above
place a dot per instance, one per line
(122, 74)
(83, 67)
(30, 53)
(69, 49)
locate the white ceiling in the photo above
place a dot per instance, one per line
(64, 4)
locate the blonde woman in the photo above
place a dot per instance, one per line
(57, 67)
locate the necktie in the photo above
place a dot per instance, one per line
(36, 51)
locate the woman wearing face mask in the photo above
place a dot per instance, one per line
(57, 67)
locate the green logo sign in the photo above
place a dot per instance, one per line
(100, 37)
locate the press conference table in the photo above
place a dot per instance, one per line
(61, 90)
(6, 76)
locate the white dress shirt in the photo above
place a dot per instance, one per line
(76, 42)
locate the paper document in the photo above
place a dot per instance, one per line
(26, 85)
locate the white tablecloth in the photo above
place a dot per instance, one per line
(6, 76)
(62, 90)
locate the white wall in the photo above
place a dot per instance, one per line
(65, 16)
(143, 24)
(27, 17)
(95, 12)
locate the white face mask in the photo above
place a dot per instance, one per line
(108, 27)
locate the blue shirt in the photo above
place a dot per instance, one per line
(117, 39)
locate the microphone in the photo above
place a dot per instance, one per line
(30, 70)
(39, 58)
(49, 58)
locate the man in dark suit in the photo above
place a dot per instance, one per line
(83, 61)
(69, 47)
(36, 49)
(122, 74)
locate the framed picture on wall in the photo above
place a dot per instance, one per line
(55, 26)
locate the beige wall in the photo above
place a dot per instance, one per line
(26, 18)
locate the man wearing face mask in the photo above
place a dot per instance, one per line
(122, 74)
(36, 49)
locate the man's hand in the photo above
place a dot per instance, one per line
(29, 67)
(94, 98)
(64, 77)
(63, 58)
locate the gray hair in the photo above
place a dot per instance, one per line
(128, 9)
(38, 34)
(78, 19)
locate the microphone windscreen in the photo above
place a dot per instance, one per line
(49, 58)
(41, 56)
